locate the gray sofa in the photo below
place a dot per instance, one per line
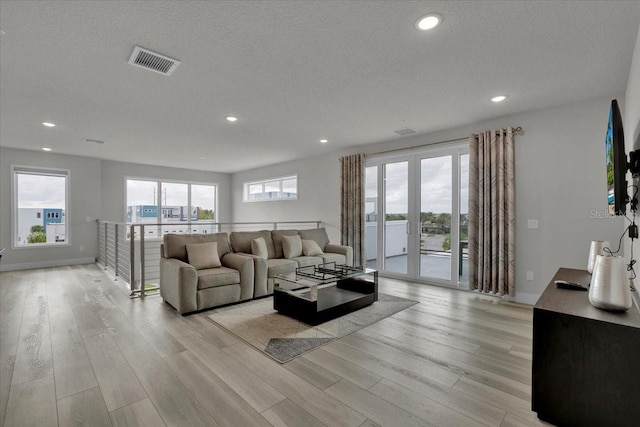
(203, 285)
(192, 279)
(275, 262)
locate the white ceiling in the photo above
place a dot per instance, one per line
(294, 72)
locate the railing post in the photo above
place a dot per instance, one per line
(116, 250)
(142, 260)
(132, 259)
(106, 234)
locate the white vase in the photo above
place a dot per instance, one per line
(597, 248)
(609, 289)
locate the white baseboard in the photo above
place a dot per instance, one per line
(46, 264)
(523, 298)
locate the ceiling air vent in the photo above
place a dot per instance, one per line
(144, 58)
(404, 131)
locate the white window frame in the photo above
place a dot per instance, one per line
(262, 182)
(37, 170)
(160, 206)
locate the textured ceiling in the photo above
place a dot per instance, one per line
(294, 72)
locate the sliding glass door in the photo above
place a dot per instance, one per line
(416, 215)
(396, 216)
(436, 207)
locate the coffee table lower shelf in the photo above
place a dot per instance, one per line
(346, 296)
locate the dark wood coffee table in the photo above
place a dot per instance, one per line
(316, 294)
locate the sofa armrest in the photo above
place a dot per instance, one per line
(259, 273)
(347, 251)
(179, 284)
(244, 264)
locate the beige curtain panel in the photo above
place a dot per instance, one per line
(352, 205)
(492, 212)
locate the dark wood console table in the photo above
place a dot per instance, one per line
(586, 361)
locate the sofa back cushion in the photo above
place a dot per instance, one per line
(277, 240)
(175, 245)
(291, 246)
(317, 234)
(311, 248)
(203, 255)
(241, 241)
(259, 248)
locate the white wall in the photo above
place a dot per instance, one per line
(560, 180)
(318, 194)
(84, 208)
(96, 192)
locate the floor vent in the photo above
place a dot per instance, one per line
(404, 131)
(152, 61)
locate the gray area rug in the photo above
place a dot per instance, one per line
(284, 338)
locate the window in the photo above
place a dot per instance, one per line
(175, 202)
(40, 200)
(151, 201)
(142, 201)
(285, 188)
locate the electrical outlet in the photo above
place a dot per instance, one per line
(533, 223)
(529, 275)
(81, 247)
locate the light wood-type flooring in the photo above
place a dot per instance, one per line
(76, 350)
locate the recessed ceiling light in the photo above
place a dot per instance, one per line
(428, 22)
(499, 98)
(49, 125)
(46, 149)
(324, 141)
(231, 119)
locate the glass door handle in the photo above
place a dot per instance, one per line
(408, 227)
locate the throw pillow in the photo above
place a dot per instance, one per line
(203, 255)
(291, 246)
(259, 248)
(311, 248)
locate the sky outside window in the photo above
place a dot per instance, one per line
(41, 191)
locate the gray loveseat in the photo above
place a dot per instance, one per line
(192, 279)
(277, 261)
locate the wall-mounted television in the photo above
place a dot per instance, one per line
(616, 163)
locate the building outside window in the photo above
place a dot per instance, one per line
(163, 202)
(40, 200)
